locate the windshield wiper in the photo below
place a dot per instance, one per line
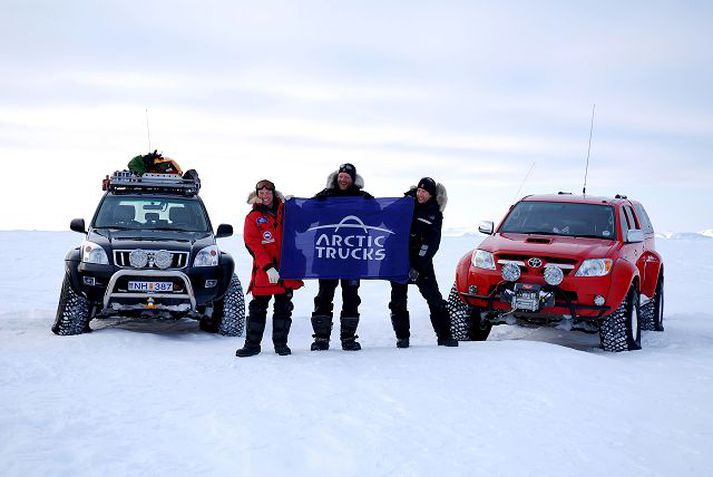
(592, 236)
(174, 229)
(116, 227)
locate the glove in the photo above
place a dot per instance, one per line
(289, 197)
(413, 275)
(273, 276)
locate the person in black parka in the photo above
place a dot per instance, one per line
(345, 182)
(424, 240)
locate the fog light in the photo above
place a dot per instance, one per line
(473, 290)
(138, 258)
(162, 259)
(211, 283)
(599, 300)
(553, 275)
(511, 272)
(89, 281)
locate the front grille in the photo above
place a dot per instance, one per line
(566, 264)
(178, 259)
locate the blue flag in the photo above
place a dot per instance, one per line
(347, 237)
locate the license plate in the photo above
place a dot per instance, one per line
(151, 287)
(527, 297)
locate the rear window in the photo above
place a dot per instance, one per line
(561, 218)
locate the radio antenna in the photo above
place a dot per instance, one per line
(148, 131)
(517, 194)
(589, 148)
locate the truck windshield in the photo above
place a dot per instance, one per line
(152, 213)
(561, 218)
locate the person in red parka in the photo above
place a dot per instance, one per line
(263, 239)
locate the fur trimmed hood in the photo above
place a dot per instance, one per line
(332, 181)
(252, 197)
(441, 195)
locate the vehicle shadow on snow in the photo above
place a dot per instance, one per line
(589, 342)
(148, 325)
(576, 340)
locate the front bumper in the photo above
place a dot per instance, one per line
(106, 286)
(556, 304)
(120, 299)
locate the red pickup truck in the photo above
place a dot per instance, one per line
(574, 262)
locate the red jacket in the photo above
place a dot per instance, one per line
(263, 239)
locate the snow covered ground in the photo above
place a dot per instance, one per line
(166, 399)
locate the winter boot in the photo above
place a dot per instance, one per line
(249, 349)
(322, 326)
(280, 330)
(255, 327)
(442, 325)
(400, 322)
(283, 350)
(281, 323)
(348, 329)
(448, 341)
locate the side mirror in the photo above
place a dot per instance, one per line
(224, 230)
(634, 236)
(77, 225)
(486, 227)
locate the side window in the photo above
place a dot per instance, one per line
(646, 225)
(624, 222)
(630, 216)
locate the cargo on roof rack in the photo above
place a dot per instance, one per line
(126, 181)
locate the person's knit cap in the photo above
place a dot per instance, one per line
(428, 184)
(349, 169)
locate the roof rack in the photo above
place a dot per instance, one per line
(127, 181)
(620, 196)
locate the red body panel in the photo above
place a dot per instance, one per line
(633, 263)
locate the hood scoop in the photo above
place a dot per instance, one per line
(538, 240)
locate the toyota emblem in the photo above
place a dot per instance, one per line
(535, 262)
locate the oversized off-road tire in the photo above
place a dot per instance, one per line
(73, 312)
(228, 318)
(652, 311)
(621, 331)
(466, 323)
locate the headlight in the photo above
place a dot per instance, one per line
(207, 257)
(483, 259)
(93, 253)
(595, 267)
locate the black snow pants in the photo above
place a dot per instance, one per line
(281, 318)
(324, 306)
(428, 286)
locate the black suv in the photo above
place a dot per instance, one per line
(150, 251)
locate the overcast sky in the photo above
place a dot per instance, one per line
(470, 93)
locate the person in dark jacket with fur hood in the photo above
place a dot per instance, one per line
(345, 182)
(263, 239)
(424, 240)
